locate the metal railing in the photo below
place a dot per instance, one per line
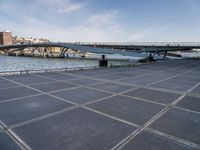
(23, 72)
(143, 43)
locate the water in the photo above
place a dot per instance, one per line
(10, 63)
(190, 54)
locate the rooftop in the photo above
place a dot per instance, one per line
(146, 107)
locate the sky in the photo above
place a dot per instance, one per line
(103, 20)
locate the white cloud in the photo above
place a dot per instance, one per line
(96, 27)
(63, 6)
(101, 26)
(150, 31)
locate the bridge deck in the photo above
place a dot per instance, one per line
(75, 47)
(147, 107)
(134, 50)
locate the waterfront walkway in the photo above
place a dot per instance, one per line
(146, 107)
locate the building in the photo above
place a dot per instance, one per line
(5, 38)
(20, 40)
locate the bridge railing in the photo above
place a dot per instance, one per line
(23, 72)
(143, 43)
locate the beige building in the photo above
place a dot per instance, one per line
(5, 38)
(19, 40)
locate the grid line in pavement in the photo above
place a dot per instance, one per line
(151, 121)
(179, 71)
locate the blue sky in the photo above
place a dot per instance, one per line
(103, 20)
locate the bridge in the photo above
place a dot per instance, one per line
(139, 49)
(9, 49)
(149, 46)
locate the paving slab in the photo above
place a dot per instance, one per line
(172, 86)
(196, 90)
(153, 95)
(85, 81)
(13, 77)
(1, 127)
(141, 71)
(58, 76)
(151, 141)
(16, 92)
(31, 80)
(7, 84)
(190, 102)
(81, 128)
(127, 74)
(110, 77)
(181, 124)
(6, 143)
(53, 86)
(191, 76)
(81, 95)
(91, 73)
(75, 129)
(18, 111)
(131, 73)
(182, 80)
(143, 80)
(132, 110)
(112, 87)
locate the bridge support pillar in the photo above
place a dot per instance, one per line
(103, 62)
(147, 59)
(62, 56)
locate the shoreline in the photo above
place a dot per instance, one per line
(73, 58)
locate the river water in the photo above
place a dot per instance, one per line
(12, 63)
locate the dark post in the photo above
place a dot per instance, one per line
(103, 57)
(103, 62)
